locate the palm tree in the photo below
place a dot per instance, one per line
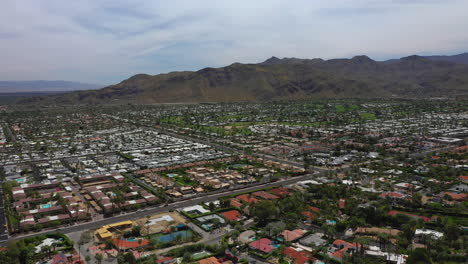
(383, 238)
(147, 225)
(363, 241)
(47, 250)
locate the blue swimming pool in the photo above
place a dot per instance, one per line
(45, 206)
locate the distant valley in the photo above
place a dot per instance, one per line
(44, 86)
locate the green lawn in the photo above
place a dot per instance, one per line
(368, 116)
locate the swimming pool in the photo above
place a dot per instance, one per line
(21, 180)
(206, 227)
(172, 175)
(132, 239)
(45, 206)
(275, 244)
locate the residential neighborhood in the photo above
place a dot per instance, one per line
(304, 182)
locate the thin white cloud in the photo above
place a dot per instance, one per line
(107, 40)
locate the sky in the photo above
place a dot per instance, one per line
(107, 41)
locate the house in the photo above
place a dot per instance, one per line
(104, 233)
(460, 188)
(58, 259)
(422, 235)
(313, 240)
(403, 186)
(456, 196)
(235, 203)
(212, 260)
(339, 247)
(392, 195)
(281, 191)
(195, 210)
(246, 236)
(208, 221)
(342, 203)
(263, 245)
(293, 235)
(266, 196)
(311, 214)
(375, 251)
(247, 198)
(464, 179)
(297, 256)
(232, 215)
(27, 220)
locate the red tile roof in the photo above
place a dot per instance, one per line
(300, 257)
(281, 191)
(59, 259)
(210, 260)
(342, 203)
(235, 203)
(315, 209)
(232, 215)
(461, 149)
(247, 198)
(310, 215)
(392, 194)
(265, 195)
(342, 246)
(338, 254)
(262, 245)
(342, 243)
(456, 196)
(463, 178)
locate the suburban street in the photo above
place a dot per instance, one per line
(161, 208)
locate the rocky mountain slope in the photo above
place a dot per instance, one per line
(284, 79)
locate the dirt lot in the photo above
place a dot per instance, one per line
(159, 222)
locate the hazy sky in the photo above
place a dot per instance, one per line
(106, 41)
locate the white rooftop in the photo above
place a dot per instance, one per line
(197, 208)
(429, 232)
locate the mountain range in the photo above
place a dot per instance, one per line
(44, 86)
(287, 79)
(460, 58)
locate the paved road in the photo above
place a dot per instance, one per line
(3, 222)
(160, 209)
